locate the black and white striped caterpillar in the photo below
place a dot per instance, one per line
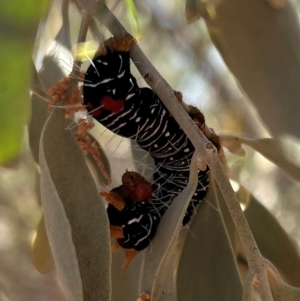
(114, 99)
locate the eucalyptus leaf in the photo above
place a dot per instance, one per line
(75, 216)
(48, 75)
(158, 264)
(271, 238)
(280, 290)
(49, 27)
(125, 284)
(207, 268)
(260, 46)
(275, 150)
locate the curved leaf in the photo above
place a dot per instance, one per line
(207, 268)
(76, 219)
(260, 46)
(158, 264)
(125, 284)
(271, 238)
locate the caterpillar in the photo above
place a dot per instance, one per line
(113, 97)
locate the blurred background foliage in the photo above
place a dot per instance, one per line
(185, 57)
(18, 27)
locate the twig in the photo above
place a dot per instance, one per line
(84, 26)
(203, 148)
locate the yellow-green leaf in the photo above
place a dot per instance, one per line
(18, 24)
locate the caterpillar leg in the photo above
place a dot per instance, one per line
(145, 296)
(114, 199)
(116, 232)
(115, 247)
(130, 254)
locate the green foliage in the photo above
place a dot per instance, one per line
(28, 11)
(133, 18)
(18, 26)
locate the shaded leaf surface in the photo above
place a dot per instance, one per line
(49, 74)
(274, 243)
(207, 269)
(76, 219)
(275, 150)
(260, 46)
(158, 264)
(125, 284)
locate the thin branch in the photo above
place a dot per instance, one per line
(203, 148)
(84, 26)
(248, 285)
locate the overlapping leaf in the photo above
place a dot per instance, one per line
(207, 268)
(260, 47)
(76, 219)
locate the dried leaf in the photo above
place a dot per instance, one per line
(249, 282)
(76, 219)
(49, 28)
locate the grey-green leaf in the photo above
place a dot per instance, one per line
(207, 269)
(76, 219)
(282, 153)
(271, 238)
(260, 46)
(158, 265)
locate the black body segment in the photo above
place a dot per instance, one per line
(115, 100)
